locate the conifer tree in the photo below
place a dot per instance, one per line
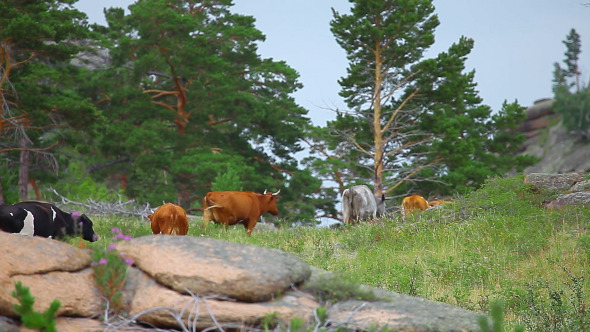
(572, 100)
(413, 124)
(37, 85)
(383, 40)
(187, 95)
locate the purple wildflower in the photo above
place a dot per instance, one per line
(75, 214)
(112, 246)
(103, 261)
(129, 261)
(94, 264)
(127, 238)
(116, 230)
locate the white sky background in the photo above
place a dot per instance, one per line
(516, 43)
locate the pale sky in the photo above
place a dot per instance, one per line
(516, 44)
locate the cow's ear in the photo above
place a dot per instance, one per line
(150, 217)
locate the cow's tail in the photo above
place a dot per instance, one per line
(346, 206)
(175, 226)
(208, 213)
(180, 222)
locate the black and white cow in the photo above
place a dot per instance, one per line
(44, 219)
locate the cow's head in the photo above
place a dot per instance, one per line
(271, 202)
(380, 200)
(85, 225)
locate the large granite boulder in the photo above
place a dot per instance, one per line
(52, 270)
(205, 266)
(200, 283)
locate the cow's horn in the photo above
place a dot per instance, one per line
(277, 192)
(264, 192)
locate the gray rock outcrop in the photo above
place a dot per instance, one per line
(553, 182)
(558, 150)
(572, 188)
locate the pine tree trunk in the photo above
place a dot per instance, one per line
(377, 129)
(2, 200)
(23, 173)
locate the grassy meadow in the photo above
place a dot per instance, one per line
(497, 243)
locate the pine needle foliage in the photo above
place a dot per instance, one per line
(30, 318)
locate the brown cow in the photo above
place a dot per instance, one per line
(169, 219)
(413, 202)
(232, 207)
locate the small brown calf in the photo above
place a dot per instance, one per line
(413, 202)
(169, 219)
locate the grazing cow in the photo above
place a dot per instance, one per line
(232, 207)
(359, 203)
(413, 202)
(438, 202)
(44, 219)
(169, 219)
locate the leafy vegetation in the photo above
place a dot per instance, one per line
(572, 98)
(110, 270)
(496, 243)
(30, 318)
(334, 288)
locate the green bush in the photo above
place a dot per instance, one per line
(334, 288)
(30, 318)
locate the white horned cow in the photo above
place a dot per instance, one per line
(359, 203)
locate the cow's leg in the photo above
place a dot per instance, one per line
(249, 225)
(206, 218)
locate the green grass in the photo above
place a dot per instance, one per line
(497, 243)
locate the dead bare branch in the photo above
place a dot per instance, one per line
(121, 208)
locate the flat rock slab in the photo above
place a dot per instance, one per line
(210, 267)
(153, 303)
(581, 198)
(553, 182)
(51, 269)
(22, 254)
(402, 314)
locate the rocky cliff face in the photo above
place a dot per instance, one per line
(547, 139)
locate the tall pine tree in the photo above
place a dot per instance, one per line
(188, 95)
(38, 85)
(413, 124)
(383, 40)
(572, 100)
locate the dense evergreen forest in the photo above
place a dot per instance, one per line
(184, 104)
